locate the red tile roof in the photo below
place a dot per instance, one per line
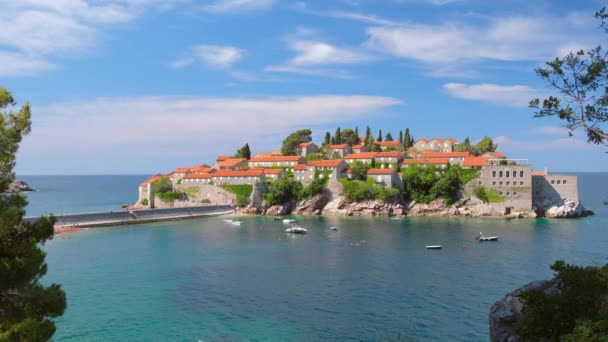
(198, 176)
(496, 155)
(539, 173)
(203, 170)
(276, 159)
(362, 155)
(393, 154)
(358, 146)
(423, 140)
(182, 170)
(362, 139)
(273, 171)
(387, 143)
(262, 154)
(277, 153)
(201, 166)
(475, 161)
(439, 140)
(151, 179)
(325, 163)
(338, 146)
(231, 162)
(428, 154)
(222, 158)
(380, 171)
(304, 144)
(348, 171)
(453, 141)
(434, 161)
(301, 167)
(231, 173)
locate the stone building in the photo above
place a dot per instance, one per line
(385, 177)
(340, 149)
(238, 177)
(277, 161)
(553, 190)
(392, 158)
(511, 182)
(364, 157)
(435, 145)
(453, 157)
(303, 149)
(359, 148)
(388, 144)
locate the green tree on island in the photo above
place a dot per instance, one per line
(292, 140)
(407, 140)
(389, 137)
(327, 139)
(581, 81)
(243, 152)
(26, 306)
(349, 136)
(485, 145)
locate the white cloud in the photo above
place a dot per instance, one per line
(41, 30)
(16, 64)
(116, 128)
(213, 55)
(232, 6)
(552, 131)
(511, 95)
(493, 39)
(509, 145)
(313, 54)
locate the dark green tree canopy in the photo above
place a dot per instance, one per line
(349, 137)
(26, 306)
(407, 139)
(379, 135)
(486, 145)
(389, 137)
(580, 80)
(327, 140)
(243, 152)
(292, 140)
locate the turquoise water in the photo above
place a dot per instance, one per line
(371, 279)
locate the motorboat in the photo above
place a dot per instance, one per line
(296, 230)
(289, 221)
(481, 237)
(227, 221)
(333, 228)
(236, 223)
(433, 247)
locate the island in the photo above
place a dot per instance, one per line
(356, 175)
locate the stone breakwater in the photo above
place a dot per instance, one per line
(116, 218)
(329, 204)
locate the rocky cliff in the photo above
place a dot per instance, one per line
(19, 186)
(506, 315)
(567, 210)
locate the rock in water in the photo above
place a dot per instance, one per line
(19, 186)
(569, 209)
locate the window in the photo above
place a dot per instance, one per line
(514, 193)
(500, 183)
(499, 173)
(514, 174)
(494, 183)
(559, 181)
(552, 182)
(507, 183)
(507, 174)
(521, 183)
(494, 174)
(500, 193)
(507, 193)
(521, 173)
(479, 182)
(564, 181)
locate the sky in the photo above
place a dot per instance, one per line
(145, 86)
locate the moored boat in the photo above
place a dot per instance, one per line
(481, 237)
(289, 221)
(333, 228)
(433, 247)
(296, 230)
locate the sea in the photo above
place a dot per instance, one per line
(372, 279)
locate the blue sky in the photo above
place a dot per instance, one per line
(144, 86)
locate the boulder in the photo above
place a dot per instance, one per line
(567, 210)
(506, 314)
(314, 205)
(19, 186)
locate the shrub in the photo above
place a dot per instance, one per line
(481, 193)
(283, 190)
(205, 201)
(360, 170)
(579, 312)
(242, 192)
(425, 184)
(386, 194)
(314, 188)
(144, 201)
(359, 191)
(169, 196)
(488, 195)
(162, 185)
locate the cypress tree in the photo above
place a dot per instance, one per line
(327, 138)
(357, 134)
(338, 136)
(389, 137)
(401, 137)
(407, 142)
(379, 135)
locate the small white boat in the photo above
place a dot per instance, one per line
(433, 247)
(481, 237)
(296, 230)
(289, 221)
(227, 221)
(333, 228)
(488, 238)
(236, 223)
